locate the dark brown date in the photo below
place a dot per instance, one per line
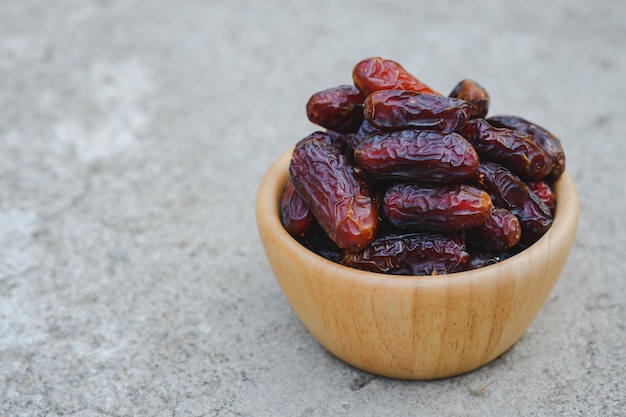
(340, 201)
(412, 254)
(482, 259)
(294, 213)
(374, 74)
(339, 108)
(544, 192)
(500, 232)
(417, 155)
(471, 91)
(436, 208)
(546, 140)
(365, 130)
(401, 109)
(317, 240)
(514, 149)
(510, 192)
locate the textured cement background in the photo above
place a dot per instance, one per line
(133, 137)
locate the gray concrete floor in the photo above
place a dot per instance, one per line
(133, 137)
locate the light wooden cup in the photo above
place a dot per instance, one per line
(414, 327)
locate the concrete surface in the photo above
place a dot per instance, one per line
(133, 136)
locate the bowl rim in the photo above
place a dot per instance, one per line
(565, 217)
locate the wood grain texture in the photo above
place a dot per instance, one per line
(414, 327)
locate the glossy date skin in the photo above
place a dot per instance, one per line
(436, 208)
(509, 191)
(514, 149)
(472, 92)
(544, 192)
(339, 109)
(294, 213)
(417, 155)
(546, 140)
(500, 232)
(401, 109)
(376, 73)
(340, 201)
(412, 254)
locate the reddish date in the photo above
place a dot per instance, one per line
(374, 74)
(510, 192)
(500, 232)
(514, 149)
(544, 192)
(401, 109)
(340, 201)
(436, 208)
(412, 254)
(546, 140)
(417, 155)
(472, 92)
(294, 213)
(339, 108)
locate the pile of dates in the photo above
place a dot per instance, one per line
(404, 180)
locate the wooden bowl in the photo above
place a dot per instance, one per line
(414, 327)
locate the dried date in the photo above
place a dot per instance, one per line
(417, 155)
(436, 208)
(294, 213)
(500, 232)
(472, 92)
(374, 74)
(412, 254)
(339, 108)
(544, 192)
(514, 149)
(546, 140)
(510, 192)
(401, 109)
(340, 201)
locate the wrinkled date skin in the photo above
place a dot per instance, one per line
(514, 149)
(472, 92)
(339, 109)
(417, 155)
(510, 192)
(546, 140)
(374, 74)
(294, 213)
(401, 109)
(544, 192)
(412, 254)
(500, 232)
(340, 201)
(436, 208)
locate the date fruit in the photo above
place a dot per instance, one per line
(546, 140)
(294, 213)
(500, 232)
(544, 192)
(402, 109)
(339, 109)
(340, 201)
(412, 254)
(471, 91)
(417, 155)
(374, 74)
(436, 208)
(510, 192)
(514, 149)
(404, 180)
